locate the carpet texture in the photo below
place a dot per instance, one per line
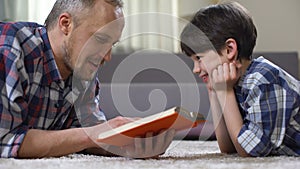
(181, 154)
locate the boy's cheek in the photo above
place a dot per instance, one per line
(209, 85)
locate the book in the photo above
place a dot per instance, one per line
(174, 118)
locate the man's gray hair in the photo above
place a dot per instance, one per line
(73, 7)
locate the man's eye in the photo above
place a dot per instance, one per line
(101, 39)
(115, 44)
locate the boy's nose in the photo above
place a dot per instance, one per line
(196, 68)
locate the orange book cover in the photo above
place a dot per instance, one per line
(176, 118)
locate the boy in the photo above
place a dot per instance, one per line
(254, 103)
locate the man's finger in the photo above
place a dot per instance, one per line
(149, 143)
(160, 140)
(169, 138)
(138, 147)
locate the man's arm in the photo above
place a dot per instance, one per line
(42, 143)
(39, 143)
(149, 147)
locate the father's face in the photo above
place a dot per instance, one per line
(91, 42)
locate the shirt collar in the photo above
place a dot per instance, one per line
(51, 72)
(242, 78)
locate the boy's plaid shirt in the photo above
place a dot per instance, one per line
(269, 100)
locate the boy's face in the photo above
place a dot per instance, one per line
(206, 62)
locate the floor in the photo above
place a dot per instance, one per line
(181, 154)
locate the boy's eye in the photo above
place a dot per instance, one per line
(198, 58)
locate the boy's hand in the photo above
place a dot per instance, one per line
(225, 76)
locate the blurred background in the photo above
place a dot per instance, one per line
(277, 21)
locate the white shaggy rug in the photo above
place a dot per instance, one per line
(181, 154)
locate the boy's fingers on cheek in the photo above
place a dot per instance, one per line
(220, 69)
(226, 70)
(214, 75)
(232, 69)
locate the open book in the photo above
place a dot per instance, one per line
(175, 118)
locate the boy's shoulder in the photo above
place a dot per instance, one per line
(263, 71)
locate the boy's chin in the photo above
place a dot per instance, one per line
(209, 86)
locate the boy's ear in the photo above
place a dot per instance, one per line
(231, 49)
(65, 23)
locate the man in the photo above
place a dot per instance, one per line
(46, 110)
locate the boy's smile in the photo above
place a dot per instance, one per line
(206, 62)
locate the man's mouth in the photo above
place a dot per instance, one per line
(94, 65)
(102, 62)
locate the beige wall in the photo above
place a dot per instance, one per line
(278, 24)
(277, 21)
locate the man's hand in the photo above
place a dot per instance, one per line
(151, 146)
(143, 147)
(94, 131)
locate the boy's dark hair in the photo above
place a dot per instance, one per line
(212, 26)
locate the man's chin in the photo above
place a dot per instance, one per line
(84, 76)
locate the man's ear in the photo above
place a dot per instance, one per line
(65, 23)
(231, 49)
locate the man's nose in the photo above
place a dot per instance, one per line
(107, 56)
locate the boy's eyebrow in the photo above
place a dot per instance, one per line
(198, 55)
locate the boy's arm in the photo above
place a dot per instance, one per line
(223, 138)
(224, 78)
(232, 117)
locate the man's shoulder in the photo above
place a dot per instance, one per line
(13, 27)
(20, 31)
(17, 36)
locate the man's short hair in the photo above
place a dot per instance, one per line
(72, 7)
